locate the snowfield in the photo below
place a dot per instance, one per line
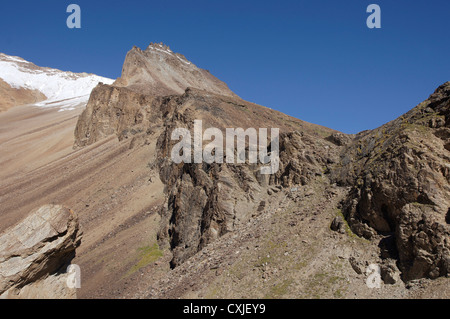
(64, 90)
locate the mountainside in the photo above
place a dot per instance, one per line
(225, 195)
(400, 178)
(395, 199)
(22, 82)
(336, 206)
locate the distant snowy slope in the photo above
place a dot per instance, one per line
(61, 89)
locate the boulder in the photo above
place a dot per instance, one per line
(35, 253)
(338, 224)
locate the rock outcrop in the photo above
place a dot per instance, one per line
(116, 110)
(207, 201)
(34, 254)
(400, 175)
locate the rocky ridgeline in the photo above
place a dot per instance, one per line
(399, 173)
(36, 252)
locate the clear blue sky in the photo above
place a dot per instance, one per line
(315, 60)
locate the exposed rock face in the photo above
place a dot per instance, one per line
(159, 71)
(34, 252)
(115, 110)
(400, 174)
(205, 201)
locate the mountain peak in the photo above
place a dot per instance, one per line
(159, 46)
(158, 70)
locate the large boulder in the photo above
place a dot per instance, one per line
(34, 254)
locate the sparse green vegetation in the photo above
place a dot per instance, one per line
(212, 293)
(324, 283)
(279, 290)
(348, 230)
(338, 294)
(148, 255)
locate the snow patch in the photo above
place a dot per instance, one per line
(69, 88)
(168, 51)
(182, 60)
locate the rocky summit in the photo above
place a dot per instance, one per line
(158, 70)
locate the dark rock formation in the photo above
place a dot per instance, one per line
(206, 201)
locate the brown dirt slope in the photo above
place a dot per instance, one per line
(10, 96)
(108, 184)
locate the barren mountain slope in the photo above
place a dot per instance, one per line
(10, 96)
(392, 188)
(205, 202)
(108, 184)
(157, 229)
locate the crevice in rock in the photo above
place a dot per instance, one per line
(424, 199)
(388, 247)
(387, 216)
(447, 146)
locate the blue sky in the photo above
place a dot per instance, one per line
(314, 60)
